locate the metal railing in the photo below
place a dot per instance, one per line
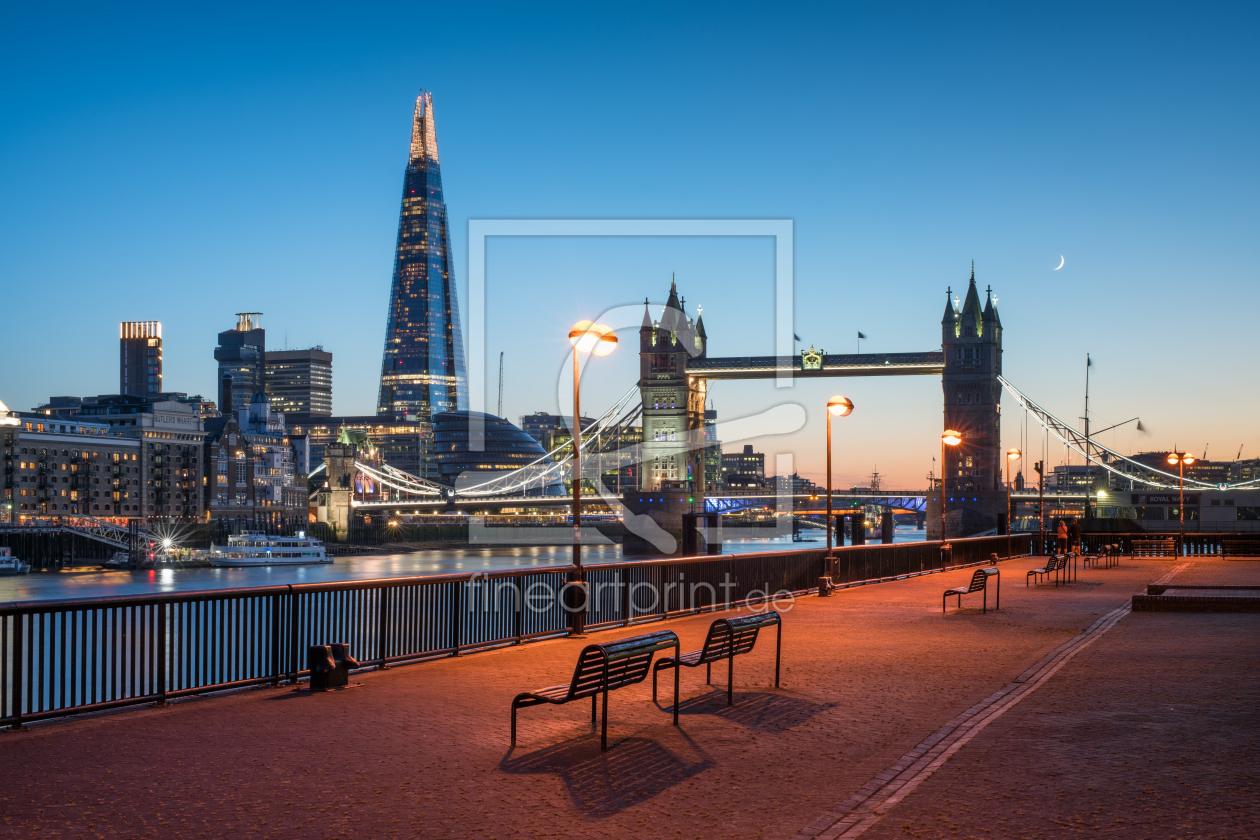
(60, 658)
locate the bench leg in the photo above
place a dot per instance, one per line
(592, 711)
(730, 679)
(514, 723)
(677, 671)
(778, 647)
(708, 673)
(985, 611)
(653, 682)
(603, 735)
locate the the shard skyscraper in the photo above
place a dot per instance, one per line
(423, 370)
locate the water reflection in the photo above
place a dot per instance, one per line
(89, 581)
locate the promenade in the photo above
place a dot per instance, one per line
(1061, 715)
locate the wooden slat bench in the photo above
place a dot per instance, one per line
(1056, 564)
(1240, 548)
(1166, 547)
(601, 669)
(727, 639)
(979, 583)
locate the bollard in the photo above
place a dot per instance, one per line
(330, 666)
(825, 586)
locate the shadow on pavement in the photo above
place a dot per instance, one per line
(633, 770)
(763, 711)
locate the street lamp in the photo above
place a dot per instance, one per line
(949, 438)
(585, 337)
(1012, 455)
(1182, 460)
(837, 406)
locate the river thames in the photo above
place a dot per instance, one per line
(90, 581)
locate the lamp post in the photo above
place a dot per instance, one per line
(949, 438)
(1012, 455)
(600, 340)
(1182, 460)
(837, 406)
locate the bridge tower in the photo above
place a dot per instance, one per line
(971, 337)
(673, 402)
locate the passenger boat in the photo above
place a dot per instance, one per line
(10, 565)
(256, 548)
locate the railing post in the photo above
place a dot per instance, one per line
(382, 627)
(293, 641)
(162, 652)
(519, 618)
(625, 596)
(19, 672)
(456, 603)
(276, 670)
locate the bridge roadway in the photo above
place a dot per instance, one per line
(846, 364)
(909, 500)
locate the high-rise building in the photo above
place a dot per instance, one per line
(241, 355)
(422, 373)
(300, 381)
(140, 358)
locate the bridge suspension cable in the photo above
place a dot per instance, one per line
(1077, 442)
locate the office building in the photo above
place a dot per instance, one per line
(170, 470)
(140, 358)
(744, 470)
(299, 381)
(540, 424)
(252, 478)
(241, 355)
(403, 444)
(67, 466)
(422, 372)
(505, 448)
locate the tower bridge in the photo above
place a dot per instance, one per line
(675, 372)
(669, 399)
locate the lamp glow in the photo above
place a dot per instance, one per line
(840, 406)
(1013, 454)
(587, 337)
(951, 437)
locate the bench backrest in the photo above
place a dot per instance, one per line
(978, 581)
(625, 662)
(734, 636)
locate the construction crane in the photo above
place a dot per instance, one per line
(1205, 449)
(500, 414)
(1238, 457)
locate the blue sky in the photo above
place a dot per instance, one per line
(183, 165)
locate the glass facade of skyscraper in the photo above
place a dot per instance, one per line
(423, 373)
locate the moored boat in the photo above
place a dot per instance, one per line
(256, 548)
(10, 565)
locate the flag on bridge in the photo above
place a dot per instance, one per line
(861, 334)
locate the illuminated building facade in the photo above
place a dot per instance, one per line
(140, 358)
(405, 444)
(241, 355)
(422, 373)
(300, 381)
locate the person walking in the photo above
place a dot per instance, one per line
(1062, 533)
(1074, 536)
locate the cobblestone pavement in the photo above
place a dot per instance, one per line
(868, 674)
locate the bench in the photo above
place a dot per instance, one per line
(727, 639)
(1240, 548)
(979, 583)
(1166, 547)
(1056, 564)
(601, 669)
(1106, 555)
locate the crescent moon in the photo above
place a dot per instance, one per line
(1060, 265)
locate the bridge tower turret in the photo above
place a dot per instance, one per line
(673, 404)
(971, 337)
